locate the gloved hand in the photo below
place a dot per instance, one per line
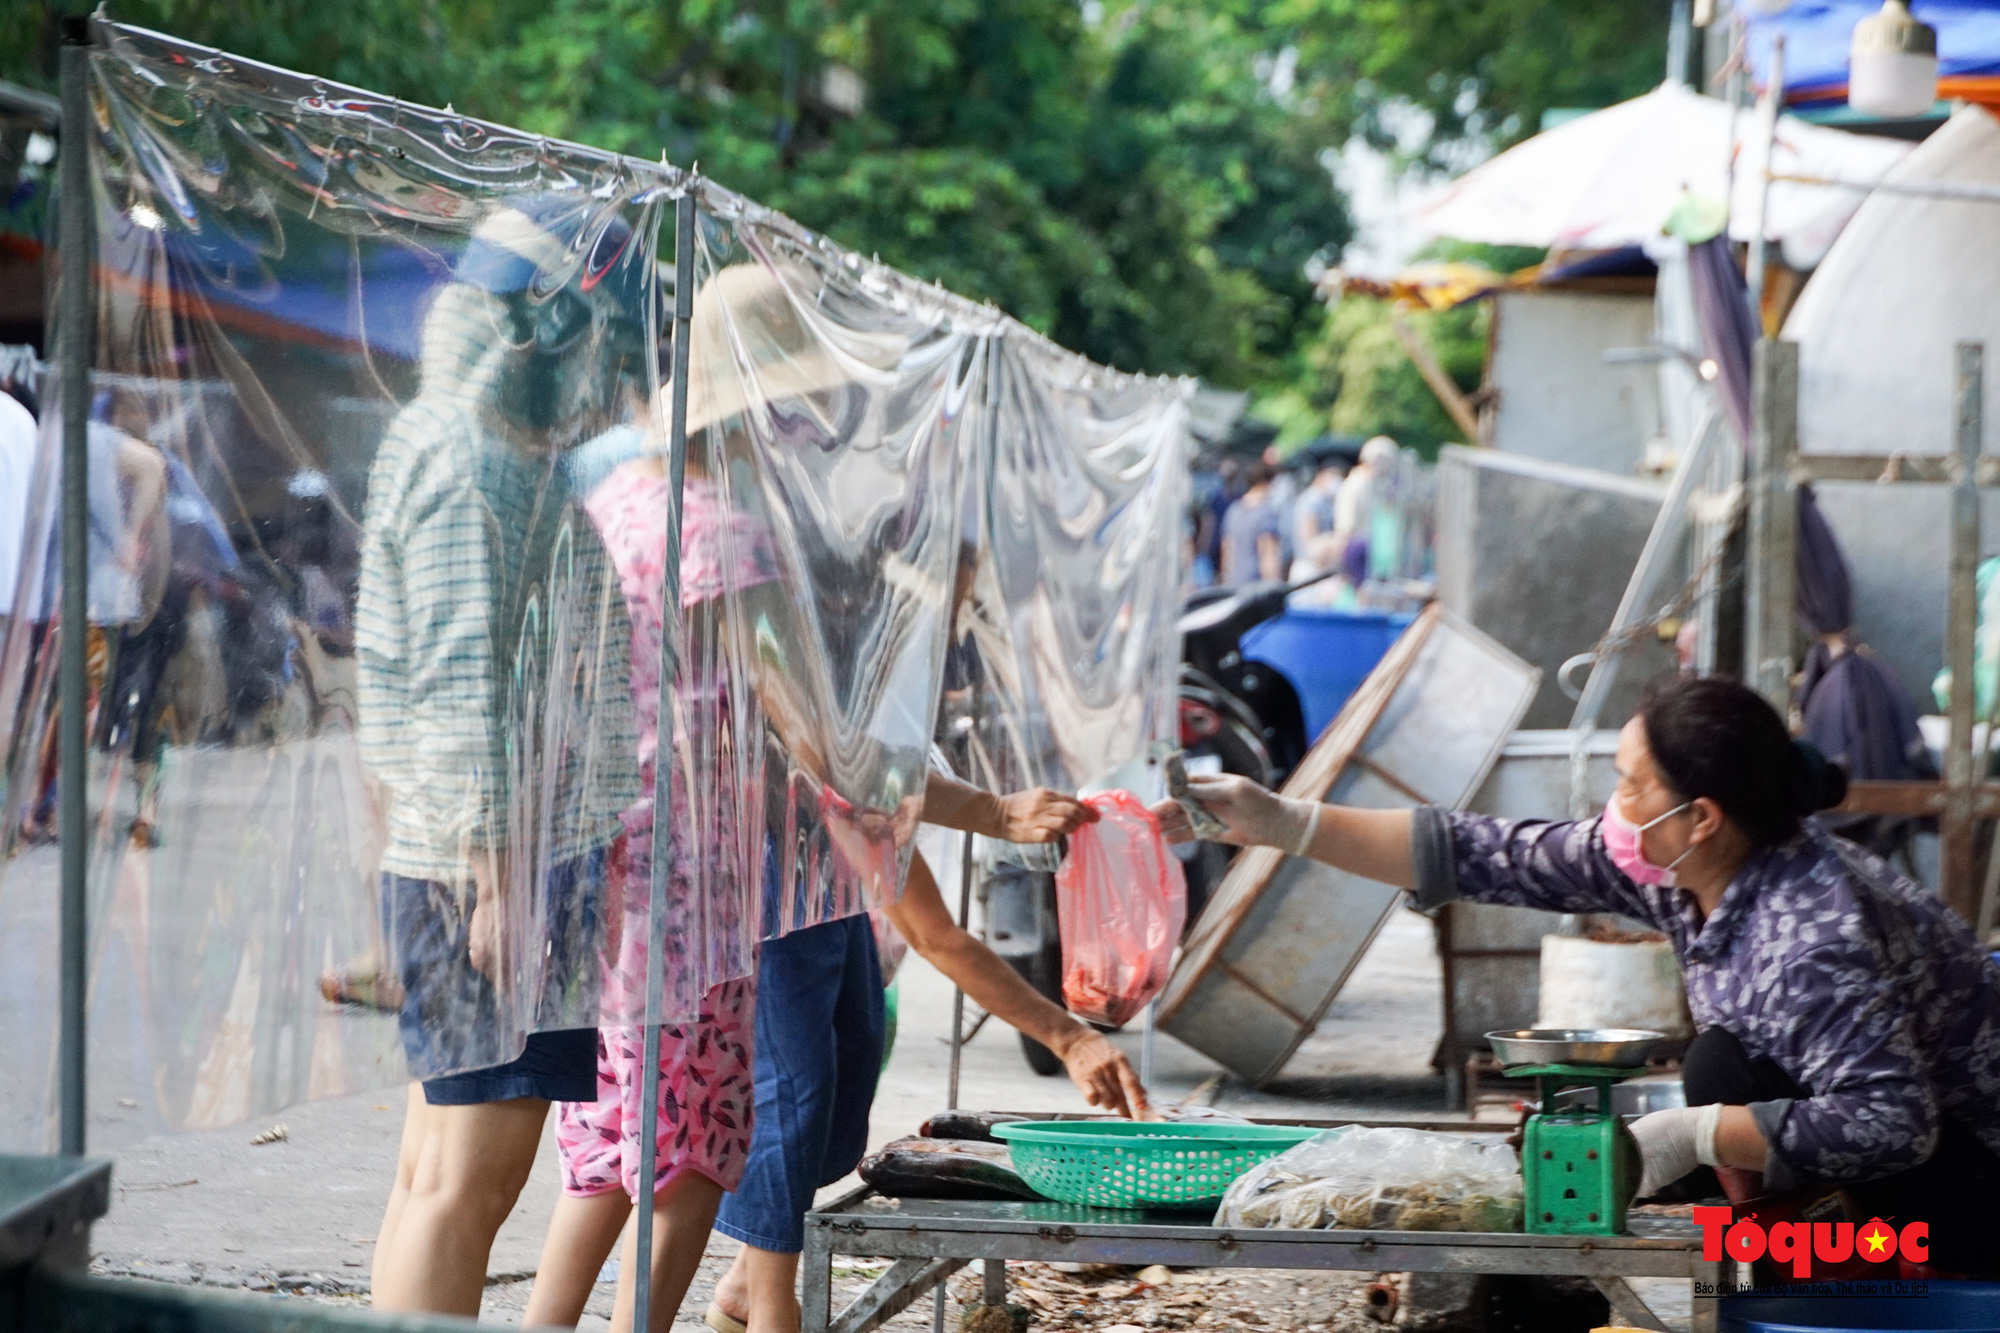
(1674, 1142)
(1256, 817)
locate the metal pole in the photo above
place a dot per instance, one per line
(1146, 1042)
(73, 686)
(1680, 41)
(1774, 101)
(1770, 611)
(1663, 544)
(663, 758)
(1961, 769)
(957, 994)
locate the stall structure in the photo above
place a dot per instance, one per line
(1875, 397)
(928, 1241)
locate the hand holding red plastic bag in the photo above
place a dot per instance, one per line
(1120, 902)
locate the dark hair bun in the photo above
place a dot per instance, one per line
(1817, 783)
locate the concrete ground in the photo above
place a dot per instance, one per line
(299, 1215)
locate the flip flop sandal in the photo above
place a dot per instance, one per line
(721, 1321)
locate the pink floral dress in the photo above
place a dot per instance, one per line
(706, 1095)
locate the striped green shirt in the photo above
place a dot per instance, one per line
(492, 644)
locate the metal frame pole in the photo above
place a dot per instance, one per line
(1958, 874)
(73, 684)
(1767, 132)
(656, 910)
(958, 993)
(1770, 610)
(1680, 42)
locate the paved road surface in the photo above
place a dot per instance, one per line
(210, 1208)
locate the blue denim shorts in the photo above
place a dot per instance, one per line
(453, 1039)
(820, 1033)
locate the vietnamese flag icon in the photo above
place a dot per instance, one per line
(1876, 1241)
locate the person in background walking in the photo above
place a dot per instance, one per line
(1252, 533)
(1313, 519)
(1353, 509)
(1284, 499)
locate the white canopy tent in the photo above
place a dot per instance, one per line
(1909, 278)
(1610, 178)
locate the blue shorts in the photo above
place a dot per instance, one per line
(820, 1033)
(453, 1038)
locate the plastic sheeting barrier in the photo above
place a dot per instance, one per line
(360, 709)
(378, 535)
(1070, 661)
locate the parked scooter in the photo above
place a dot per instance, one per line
(1236, 716)
(1244, 713)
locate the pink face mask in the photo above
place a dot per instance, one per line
(1622, 840)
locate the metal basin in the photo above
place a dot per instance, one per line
(1613, 1048)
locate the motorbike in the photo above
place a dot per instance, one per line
(1236, 716)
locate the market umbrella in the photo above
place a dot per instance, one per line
(1611, 178)
(1879, 322)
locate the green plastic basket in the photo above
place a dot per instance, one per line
(1122, 1164)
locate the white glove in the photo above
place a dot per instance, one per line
(1256, 817)
(1674, 1142)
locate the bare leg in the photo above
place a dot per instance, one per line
(683, 1213)
(762, 1289)
(471, 1162)
(414, 1112)
(582, 1231)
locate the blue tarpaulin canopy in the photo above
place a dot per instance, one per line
(1818, 34)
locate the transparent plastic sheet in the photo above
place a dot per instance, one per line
(1070, 659)
(297, 281)
(833, 411)
(355, 643)
(1371, 1179)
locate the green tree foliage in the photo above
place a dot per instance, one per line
(1140, 179)
(1132, 186)
(1377, 390)
(1483, 69)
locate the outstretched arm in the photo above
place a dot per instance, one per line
(1374, 844)
(1440, 854)
(1094, 1064)
(1035, 815)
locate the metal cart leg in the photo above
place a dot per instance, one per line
(1626, 1307)
(1707, 1307)
(889, 1295)
(816, 1281)
(996, 1282)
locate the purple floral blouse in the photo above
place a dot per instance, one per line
(1858, 983)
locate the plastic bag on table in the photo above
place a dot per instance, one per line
(1382, 1180)
(1120, 904)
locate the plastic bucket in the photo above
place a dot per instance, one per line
(1950, 1307)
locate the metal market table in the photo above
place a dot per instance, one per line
(929, 1240)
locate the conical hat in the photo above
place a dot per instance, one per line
(758, 337)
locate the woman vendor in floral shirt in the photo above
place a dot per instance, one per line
(1849, 1023)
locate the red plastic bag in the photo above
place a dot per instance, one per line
(1120, 903)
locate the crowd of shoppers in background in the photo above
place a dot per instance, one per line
(1273, 518)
